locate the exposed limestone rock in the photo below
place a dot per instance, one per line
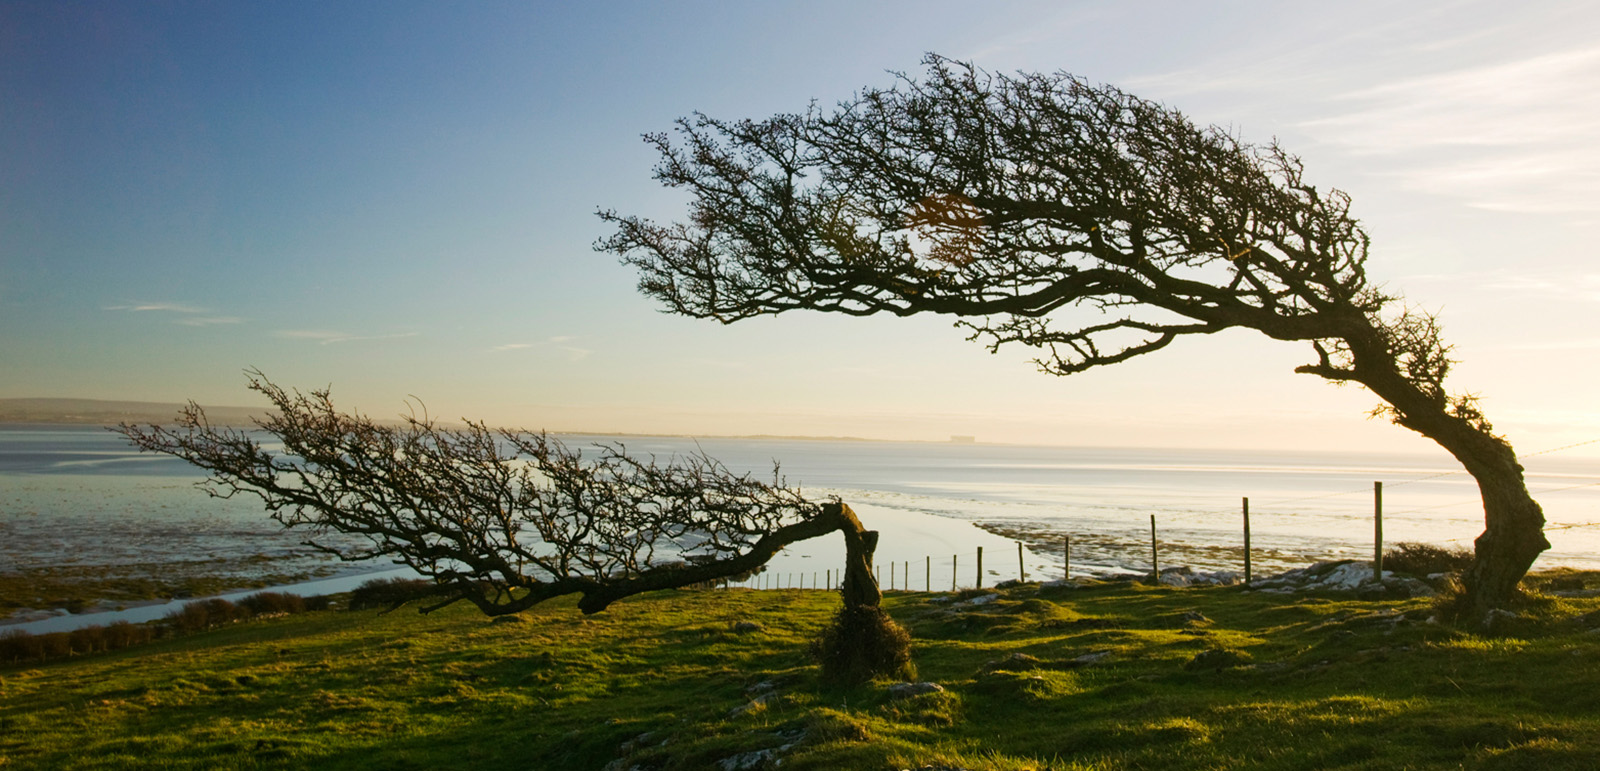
(910, 690)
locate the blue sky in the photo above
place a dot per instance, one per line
(398, 199)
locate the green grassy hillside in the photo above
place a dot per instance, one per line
(1107, 678)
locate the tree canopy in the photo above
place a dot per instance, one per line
(1074, 218)
(503, 519)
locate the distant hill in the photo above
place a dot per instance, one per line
(100, 412)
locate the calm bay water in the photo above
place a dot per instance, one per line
(82, 496)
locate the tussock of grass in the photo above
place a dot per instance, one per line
(666, 682)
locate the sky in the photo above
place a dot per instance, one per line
(397, 200)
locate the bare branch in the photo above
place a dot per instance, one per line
(502, 519)
(1066, 216)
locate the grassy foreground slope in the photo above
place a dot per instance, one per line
(1107, 680)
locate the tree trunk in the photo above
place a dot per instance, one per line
(860, 587)
(1513, 535)
(1512, 539)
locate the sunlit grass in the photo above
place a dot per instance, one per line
(1104, 681)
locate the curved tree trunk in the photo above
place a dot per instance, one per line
(1513, 535)
(860, 587)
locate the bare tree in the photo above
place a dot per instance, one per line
(508, 519)
(1074, 218)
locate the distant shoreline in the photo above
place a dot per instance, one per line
(105, 412)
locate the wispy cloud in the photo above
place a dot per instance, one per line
(1534, 101)
(189, 315)
(1513, 136)
(329, 337)
(166, 307)
(1578, 344)
(1546, 285)
(558, 342)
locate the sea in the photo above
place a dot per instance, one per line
(82, 496)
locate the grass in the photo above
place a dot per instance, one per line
(665, 681)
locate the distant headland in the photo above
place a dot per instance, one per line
(102, 412)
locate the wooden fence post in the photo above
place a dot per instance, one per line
(1377, 531)
(1022, 569)
(1066, 557)
(927, 581)
(980, 567)
(1246, 541)
(1155, 554)
(953, 572)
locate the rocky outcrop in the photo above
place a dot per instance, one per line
(1344, 576)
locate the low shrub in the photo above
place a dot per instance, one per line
(55, 645)
(201, 615)
(273, 603)
(863, 643)
(87, 639)
(17, 646)
(1421, 559)
(121, 634)
(391, 593)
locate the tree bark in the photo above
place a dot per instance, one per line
(860, 587)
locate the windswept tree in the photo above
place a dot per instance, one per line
(507, 519)
(1074, 218)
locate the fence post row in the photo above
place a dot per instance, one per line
(767, 580)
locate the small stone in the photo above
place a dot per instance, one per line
(755, 704)
(749, 761)
(1497, 621)
(745, 627)
(910, 690)
(1016, 662)
(1088, 659)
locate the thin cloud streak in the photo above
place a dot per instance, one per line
(574, 353)
(165, 307)
(1547, 285)
(1514, 137)
(1539, 101)
(325, 337)
(189, 313)
(1586, 344)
